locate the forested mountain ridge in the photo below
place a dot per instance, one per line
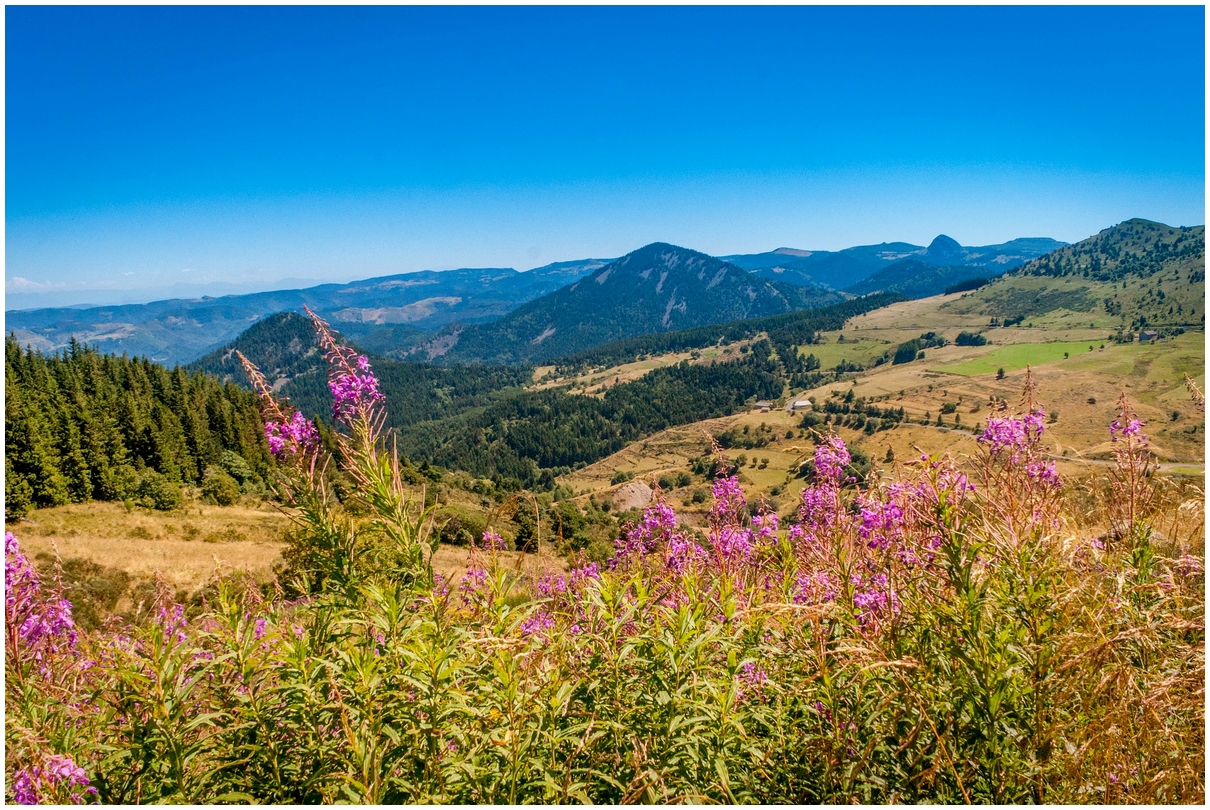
(527, 438)
(783, 331)
(1136, 247)
(384, 311)
(485, 421)
(1142, 274)
(81, 425)
(916, 279)
(283, 347)
(657, 288)
(391, 314)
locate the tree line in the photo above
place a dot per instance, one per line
(526, 438)
(81, 425)
(789, 329)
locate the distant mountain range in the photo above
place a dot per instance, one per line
(843, 269)
(383, 313)
(657, 288)
(433, 314)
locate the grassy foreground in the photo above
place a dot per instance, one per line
(961, 630)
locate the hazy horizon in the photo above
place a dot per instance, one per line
(19, 299)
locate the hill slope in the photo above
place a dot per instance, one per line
(283, 346)
(379, 311)
(658, 288)
(916, 279)
(1137, 275)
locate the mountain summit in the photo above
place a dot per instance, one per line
(944, 250)
(657, 288)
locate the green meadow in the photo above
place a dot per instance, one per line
(1018, 356)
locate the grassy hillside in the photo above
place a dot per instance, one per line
(1133, 276)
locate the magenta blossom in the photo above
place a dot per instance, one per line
(34, 785)
(881, 523)
(42, 621)
(682, 553)
(1127, 428)
(873, 597)
(1043, 472)
(810, 589)
(750, 680)
(817, 508)
(291, 437)
(1009, 437)
(473, 583)
(729, 502)
(654, 531)
(351, 392)
(732, 544)
(537, 624)
(831, 458)
(765, 526)
(493, 541)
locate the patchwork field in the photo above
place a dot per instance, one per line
(1079, 375)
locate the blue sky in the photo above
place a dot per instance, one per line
(153, 147)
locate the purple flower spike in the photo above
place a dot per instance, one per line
(31, 786)
(751, 680)
(1126, 428)
(291, 437)
(729, 502)
(351, 392)
(493, 541)
(831, 458)
(537, 624)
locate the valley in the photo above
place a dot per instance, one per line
(605, 405)
(594, 430)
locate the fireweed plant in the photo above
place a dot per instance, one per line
(946, 634)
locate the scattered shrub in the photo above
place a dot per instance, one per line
(219, 488)
(154, 491)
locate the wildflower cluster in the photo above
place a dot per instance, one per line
(350, 379)
(354, 390)
(291, 437)
(38, 622)
(58, 780)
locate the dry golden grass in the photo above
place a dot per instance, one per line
(452, 562)
(187, 547)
